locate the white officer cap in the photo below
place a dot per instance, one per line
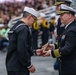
(65, 9)
(32, 11)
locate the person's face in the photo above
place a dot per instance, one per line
(58, 8)
(65, 18)
(32, 19)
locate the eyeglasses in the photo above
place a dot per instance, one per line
(34, 17)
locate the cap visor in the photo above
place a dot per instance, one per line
(62, 12)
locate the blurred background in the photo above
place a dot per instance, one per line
(11, 11)
(43, 30)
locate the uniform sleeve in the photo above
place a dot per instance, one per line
(68, 47)
(23, 48)
(56, 45)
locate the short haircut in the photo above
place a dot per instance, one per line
(25, 14)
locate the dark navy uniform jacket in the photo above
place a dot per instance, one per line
(19, 50)
(68, 49)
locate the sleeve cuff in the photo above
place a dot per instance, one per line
(53, 46)
(56, 45)
(50, 52)
(29, 66)
(56, 53)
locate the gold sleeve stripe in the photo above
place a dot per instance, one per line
(57, 44)
(56, 53)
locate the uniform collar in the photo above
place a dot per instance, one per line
(68, 24)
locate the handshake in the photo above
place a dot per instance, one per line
(45, 50)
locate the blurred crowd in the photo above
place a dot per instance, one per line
(9, 11)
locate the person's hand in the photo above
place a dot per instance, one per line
(49, 47)
(47, 53)
(39, 52)
(45, 47)
(32, 69)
